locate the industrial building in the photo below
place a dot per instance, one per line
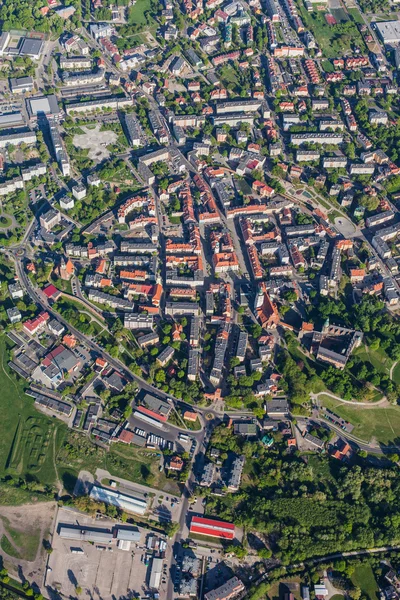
(212, 528)
(137, 505)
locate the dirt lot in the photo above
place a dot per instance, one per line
(108, 574)
(22, 531)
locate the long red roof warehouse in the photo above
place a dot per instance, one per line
(151, 413)
(212, 527)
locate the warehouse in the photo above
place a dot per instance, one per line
(136, 505)
(155, 574)
(212, 528)
(85, 534)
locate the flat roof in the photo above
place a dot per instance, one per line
(43, 105)
(31, 47)
(389, 30)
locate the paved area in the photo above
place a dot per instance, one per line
(95, 141)
(345, 226)
(108, 573)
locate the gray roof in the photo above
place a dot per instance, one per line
(43, 105)
(31, 47)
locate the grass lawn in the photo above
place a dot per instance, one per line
(136, 13)
(26, 435)
(128, 462)
(329, 36)
(139, 465)
(355, 15)
(337, 597)
(380, 423)
(363, 578)
(378, 358)
(396, 373)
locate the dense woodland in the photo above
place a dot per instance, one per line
(309, 506)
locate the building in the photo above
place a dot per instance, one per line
(14, 315)
(21, 85)
(18, 137)
(32, 48)
(155, 573)
(278, 408)
(43, 106)
(389, 31)
(235, 475)
(36, 324)
(137, 505)
(165, 356)
(228, 590)
(101, 30)
(51, 218)
(212, 528)
(316, 138)
(59, 150)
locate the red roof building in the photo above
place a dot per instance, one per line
(151, 413)
(212, 528)
(37, 324)
(51, 292)
(126, 436)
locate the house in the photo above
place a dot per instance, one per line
(14, 315)
(278, 408)
(175, 463)
(36, 324)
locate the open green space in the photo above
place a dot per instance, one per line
(378, 358)
(5, 221)
(363, 578)
(26, 435)
(355, 15)
(380, 423)
(128, 462)
(396, 374)
(137, 13)
(334, 40)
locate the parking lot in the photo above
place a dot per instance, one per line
(108, 573)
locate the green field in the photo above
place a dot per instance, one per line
(26, 435)
(334, 40)
(137, 14)
(378, 358)
(396, 373)
(355, 15)
(380, 423)
(363, 578)
(128, 462)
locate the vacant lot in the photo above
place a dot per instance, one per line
(27, 437)
(23, 530)
(380, 423)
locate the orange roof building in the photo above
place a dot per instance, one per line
(190, 416)
(70, 340)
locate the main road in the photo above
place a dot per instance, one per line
(18, 254)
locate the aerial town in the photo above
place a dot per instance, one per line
(200, 299)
